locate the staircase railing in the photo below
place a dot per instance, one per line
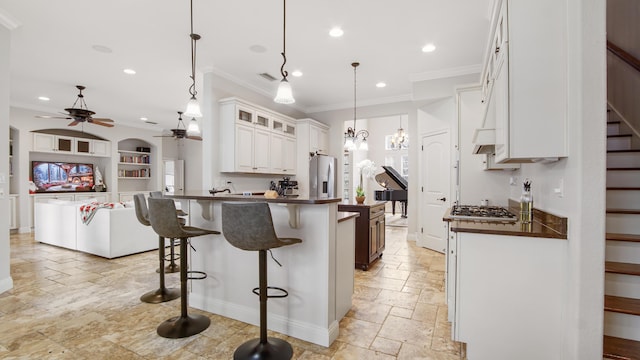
(625, 56)
(624, 120)
(634, 63)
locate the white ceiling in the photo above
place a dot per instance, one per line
(51, 50)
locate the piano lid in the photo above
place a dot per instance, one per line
(391, 179)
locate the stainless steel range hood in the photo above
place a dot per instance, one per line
(484, 141)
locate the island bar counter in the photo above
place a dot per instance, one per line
(309, 269)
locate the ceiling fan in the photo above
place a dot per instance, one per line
(180, 132)
(81, 113)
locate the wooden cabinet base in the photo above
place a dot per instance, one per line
(370, 232)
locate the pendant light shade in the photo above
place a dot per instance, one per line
(193, 109)
(284, 94)
(194, 128)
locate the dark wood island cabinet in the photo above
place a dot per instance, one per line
(370, 231)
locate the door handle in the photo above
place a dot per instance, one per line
(442, 199)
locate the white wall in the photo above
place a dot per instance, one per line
(6, 282)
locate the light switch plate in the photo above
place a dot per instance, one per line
(2, 178)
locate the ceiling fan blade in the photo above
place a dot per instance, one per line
(94, 121)
(52, 117)
(74, 123)
(162, 135)
(102, 119)
(199, 138)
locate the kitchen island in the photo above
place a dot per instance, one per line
(312, 271)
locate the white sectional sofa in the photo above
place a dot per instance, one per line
(111, 233)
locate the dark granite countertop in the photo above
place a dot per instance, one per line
(205, 195)
(544, 225)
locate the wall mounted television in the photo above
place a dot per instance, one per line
(51, 176)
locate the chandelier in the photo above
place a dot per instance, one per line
(400, 138)
(354, 139)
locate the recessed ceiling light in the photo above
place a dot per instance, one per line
(381, 84)
(144, 119)
(336, 32)
(257, 49)
(297, 73)
(102, 49)
(428, 48)
(129, 71)
(43, 98)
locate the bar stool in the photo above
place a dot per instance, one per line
(172, 267)
(248, 226)
(162, 215)
(162, 294)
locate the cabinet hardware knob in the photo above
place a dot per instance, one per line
(497, 49)
(442, 199)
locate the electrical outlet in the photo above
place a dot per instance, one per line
(560, 189)
(513, 181)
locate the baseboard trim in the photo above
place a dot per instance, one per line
(24, 230)
(6, 284)
(251, 315)
(412, 236)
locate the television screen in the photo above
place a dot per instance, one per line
(61, 176)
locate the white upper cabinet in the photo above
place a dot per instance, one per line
(259, 138)
(43, 142)
(524, 81)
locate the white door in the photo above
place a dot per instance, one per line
(435, 189)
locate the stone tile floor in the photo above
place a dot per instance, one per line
(70, 305)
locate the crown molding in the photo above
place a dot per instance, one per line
(361, 103)
(446, 73)
(8, 21)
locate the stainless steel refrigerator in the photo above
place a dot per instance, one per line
(322, 176)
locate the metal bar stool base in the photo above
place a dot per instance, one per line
(273, 349)
(181, 327)
(160, 296)
(171, 268)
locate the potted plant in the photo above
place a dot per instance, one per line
(360, 194)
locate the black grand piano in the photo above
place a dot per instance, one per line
(395, 189)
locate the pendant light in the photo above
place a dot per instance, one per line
(193, 129)
(399, 138)
(193, 107)
(284, 94)
(351, 136)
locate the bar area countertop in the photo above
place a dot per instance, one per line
(259, 196)
(544, 225)
(317, 273)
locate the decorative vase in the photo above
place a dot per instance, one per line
(360, 199)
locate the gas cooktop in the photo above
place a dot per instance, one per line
(482, 213)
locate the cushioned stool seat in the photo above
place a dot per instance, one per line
(162, 294)
(172, 267)
(162, 215)
(248, 226)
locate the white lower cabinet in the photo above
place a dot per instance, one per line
(505, 295)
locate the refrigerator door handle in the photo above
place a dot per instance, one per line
(331, 190)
